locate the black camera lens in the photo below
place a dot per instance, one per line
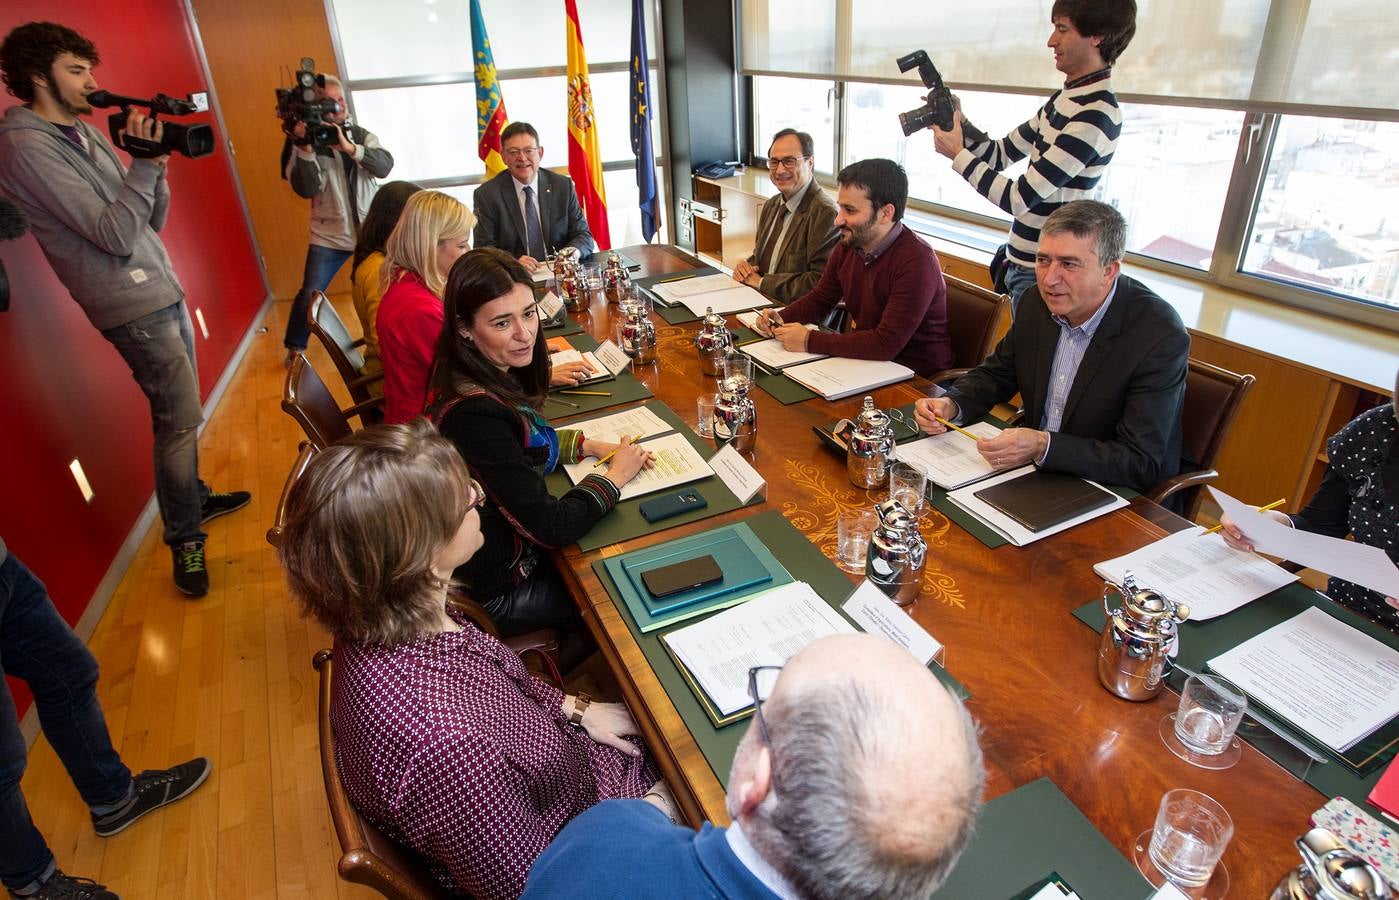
(916, 119)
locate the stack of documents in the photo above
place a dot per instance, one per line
(771, 354)
(718, 292)
(1200, 570)
(1014, 528)
(598, 372)
(951, 460)
(676, 461)
(836, 377)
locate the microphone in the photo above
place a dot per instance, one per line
(160, 103)
(13, 225)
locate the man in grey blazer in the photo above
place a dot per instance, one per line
(1099, 359)
(796, 228)
(528, 211)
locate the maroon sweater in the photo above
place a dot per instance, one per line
(898, 302)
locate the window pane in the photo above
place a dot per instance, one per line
(795, 103)
(623, 216)
(1325, 219)
(431, 131)
(788, 35)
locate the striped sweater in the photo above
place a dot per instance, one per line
(1069, 143)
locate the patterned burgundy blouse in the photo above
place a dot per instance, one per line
(452, 748)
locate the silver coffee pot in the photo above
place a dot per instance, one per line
(1136, 639)
(568, 276)
(870, 447)
(638, 332)
(1330, 870)
(735, 414)
(615, 278)
(897, 553)
(713, 342)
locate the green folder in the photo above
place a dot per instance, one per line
(623, 388)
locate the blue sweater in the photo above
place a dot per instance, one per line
(628, 850)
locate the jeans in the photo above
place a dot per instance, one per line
(38, 647)
(321, 265)
(1018, 280)
(159, 350)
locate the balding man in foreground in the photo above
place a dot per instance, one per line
(859, 777)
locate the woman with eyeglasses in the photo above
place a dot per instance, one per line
(489, 381)
(442, 738)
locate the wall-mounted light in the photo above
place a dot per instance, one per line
(84, 486)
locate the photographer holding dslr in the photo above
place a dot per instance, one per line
(339, 180)
(1069, 142)
(96, 221)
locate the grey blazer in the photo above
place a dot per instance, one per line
(810, 238)
(499, 222)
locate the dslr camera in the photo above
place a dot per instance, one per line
(938, 108)
(186, 140)
(300, 104)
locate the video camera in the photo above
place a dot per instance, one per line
(939, 108)
(186, 140)
(299, 103)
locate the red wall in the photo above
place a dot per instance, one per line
(64, 391)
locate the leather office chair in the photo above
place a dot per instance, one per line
(304, 453)
(1212, 399)
(974, 316)
(343, 350)
(307, 400)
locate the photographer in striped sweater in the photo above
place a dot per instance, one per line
(1069, 142)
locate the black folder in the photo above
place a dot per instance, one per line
(1040, 499)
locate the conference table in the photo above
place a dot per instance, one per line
(1004, 616)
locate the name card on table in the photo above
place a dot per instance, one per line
(737, 474)
(611, 356)
(873, 611)
(549, 305)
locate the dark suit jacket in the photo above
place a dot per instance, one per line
(499, 222)
(803, 255)
(1121, 421)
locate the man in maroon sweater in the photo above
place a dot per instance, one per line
(888, 277)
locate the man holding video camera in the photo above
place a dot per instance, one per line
(1069, 142)
(96, 221)
(339, 180)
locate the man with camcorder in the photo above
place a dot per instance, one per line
(335, 168)
(1069, 142)
(96, 221)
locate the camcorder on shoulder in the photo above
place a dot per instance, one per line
(301, 104)
(939, 108)
(186, 140)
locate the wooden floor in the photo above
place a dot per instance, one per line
(228, 677)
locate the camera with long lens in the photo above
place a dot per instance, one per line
(186, 140)
(938, 109)
(301, 104)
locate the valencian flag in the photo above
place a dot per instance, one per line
(490, 106)
(584, 158)
(641, 125)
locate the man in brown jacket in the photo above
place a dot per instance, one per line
(796, 229)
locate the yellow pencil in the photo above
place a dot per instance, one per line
(1274, 505)
(957, 428)
(614, 452)
(587, 393)
(669, 280)
(564, 402)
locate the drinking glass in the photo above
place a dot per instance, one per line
(908, 484)
(738, 370)
(704, 408)
(853, 530)
(1201, 730)
(1189, 837)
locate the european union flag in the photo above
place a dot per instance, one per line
(641, 125)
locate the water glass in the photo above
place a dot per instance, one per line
(1209, 713)
(853, 530)
(704, 408)
(1189, 837)
(738, 370)
(908, 484)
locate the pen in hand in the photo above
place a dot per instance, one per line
(625, 440)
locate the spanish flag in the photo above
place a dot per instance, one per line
(584, 158)
(490, 106)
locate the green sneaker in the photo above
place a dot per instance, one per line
(191, 575)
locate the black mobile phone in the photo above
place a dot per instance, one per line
(682, 576)
(658, 508)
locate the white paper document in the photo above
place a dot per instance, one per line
(549, 306)
(734, 298)
(1200, 570)
(681, 288)
(771, 354)
(749, 319)
(541, 274)
(1320, 674)
(873, 611)
(767, 630)
(1352, 561)
(1007, 527)
(950, 459)
(676, 462)
(635, 422)
(598, 371)
(836, 377)
(737, 473)
(612, 357)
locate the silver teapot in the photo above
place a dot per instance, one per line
(615, 278)
(870, 447)
(638, 332)
(1137, 639)
(1330, 870)
(897, 553)
(713, 342)
(735, 414)
(568, 275)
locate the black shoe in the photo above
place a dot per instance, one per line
(217, 504)
(66, 887)
(154, 789)
(191, 575)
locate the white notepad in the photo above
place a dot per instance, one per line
(773, 355)
(951, 460)
(836, 376)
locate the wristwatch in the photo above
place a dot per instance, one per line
(580, 706)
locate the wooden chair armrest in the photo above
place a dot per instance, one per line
(464, 605)
(358, 343)
(1180, 482)
(366, 380)
(373, 404)
(543, 644)
(948, 375)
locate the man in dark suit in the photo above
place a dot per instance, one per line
(528, 211)
(796, 228)
(1099, 360)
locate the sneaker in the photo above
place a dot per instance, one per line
(154, 788)
(221, 504)
(66, 887)
(191, 575)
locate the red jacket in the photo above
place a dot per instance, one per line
(410, 322)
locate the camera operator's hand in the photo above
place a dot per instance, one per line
(950, 143)
(298, 131)
(142, 127)
(346, 146)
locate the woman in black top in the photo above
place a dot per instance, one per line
(490, 377)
